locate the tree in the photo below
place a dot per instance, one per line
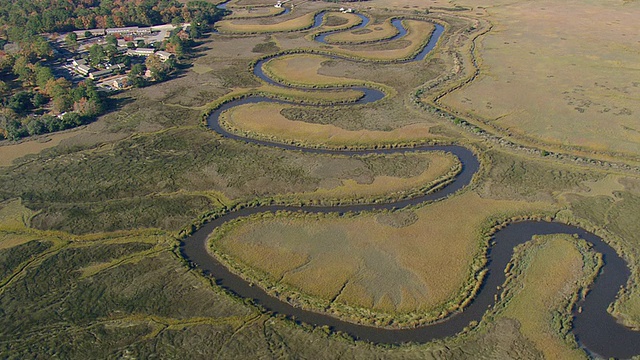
(135, 76)
(176, 21)
(6, 116)
(38, 100)
(111, 39)
(137, 69)
(6, 62)
(86, 108)
(14, 130)
(35, 127)
(62, 103)
(42, 75)
(51, 122)
(4, 88)
(22, 69)
(70, 120)
(40, 47)
(72, 40)
(21, 102)
(156, 66)
(96, 54)
(88, 34)
(111, 51)
(57, 87)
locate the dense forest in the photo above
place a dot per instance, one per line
(20, 17)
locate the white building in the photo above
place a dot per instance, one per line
(131, 30)
(119, 83)
(83, 69)
(94, 75)
(94, 32)
(141, 52)
(163, 55)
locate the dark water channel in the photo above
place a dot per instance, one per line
(595, 329)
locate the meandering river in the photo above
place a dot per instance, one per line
(595, 329)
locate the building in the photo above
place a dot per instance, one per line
(163, 55)
(78, 62)
(119, 83)
(83, 69)
(94, 32)
(117, 67)
(95, 75)
(131, 30)
(141, 52)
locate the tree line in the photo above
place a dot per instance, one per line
(20, 18)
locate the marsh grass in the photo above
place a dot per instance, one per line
(274, 126)
(291, 255)
(541, 289)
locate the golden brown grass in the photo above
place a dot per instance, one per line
(250, 3)
(349, 20)
(439, 165)
(418, 264)
(14, 215)
(11, 239)
(266, 120)
(303, 69)
(249, 26)
(417, 5)
(552, 274)
(559, 79)
(254, 12)
(369, 33)
(418, 33)
(8, 153)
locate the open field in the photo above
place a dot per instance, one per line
(414, 5)
(547, 276)
(417, 36)
(433, 166)
(8, 153)
(337, 20)
(332, 21)
(249, 26)
(154, 307)
(251, 3)
(386, 262)
(581, 67)
(273, 125)
(302, 69)
(254, 12)
(372, 32)
(200, 173)
(14, 215)
(89, 223)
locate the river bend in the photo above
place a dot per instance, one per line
(595, 329)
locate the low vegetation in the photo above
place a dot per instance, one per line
(250, 12)
(540, 292)
(380, 262)
(302, 70)
(89, 266)
(588, 106)
(273, 125)
(249, 26)
(418, 34)
(375, 31)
